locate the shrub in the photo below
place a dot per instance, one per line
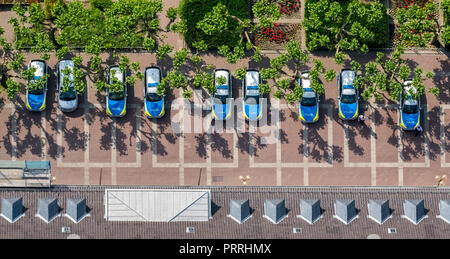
(193, 11)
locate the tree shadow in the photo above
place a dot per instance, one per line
(218, 143)
(320, 150)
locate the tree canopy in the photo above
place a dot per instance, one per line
(285, 79)
(387, 74)
(344, 25)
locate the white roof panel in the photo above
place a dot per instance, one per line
(252, 78)
(40, 68)
(157, 205)
(306, 82)
(152, 75)
(347, 77)
(118, 74)
(220, 73)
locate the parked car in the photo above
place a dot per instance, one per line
(409, 107)
(67, 101)
(116, 102)
(347, 95)
(36, 99)
(222, 99)
(154, 103)
(308, 108)
(252, 108)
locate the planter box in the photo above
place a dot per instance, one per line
(292, 31)
(12, 2)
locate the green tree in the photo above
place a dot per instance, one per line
(344, 25)
(285, 78)
(227, 30)
(11, 65)
(387, 74)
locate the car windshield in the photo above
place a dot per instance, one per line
(410, 109)
(36, 91)
(348, 98)
(222, 98)
(252, 99)
(68, 96)
(153, 97)
(116, 96)
(309, 101)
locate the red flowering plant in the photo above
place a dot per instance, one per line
(289, 7)
(416, 22)
(272, 34)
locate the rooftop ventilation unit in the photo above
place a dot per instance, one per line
(444, 210)
(275, 210)
(12, 209)
(392, 231)
(240, 210)
(379, 210)
(297, 230)
(76, 209)
(310, 210)
(345, 210)
(48, 209)
(414, 210)
(190, 230)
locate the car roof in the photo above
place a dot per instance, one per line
(152, 75)
(306, 82)
(62, 65)
(218, 73)
(347, 77)
(252, 78)
(66, 63)
(118, 74)
(40, 67)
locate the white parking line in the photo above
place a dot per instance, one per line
(442, 136)
(13, 135)
(373, 148)
(43, 136)
(113, 151)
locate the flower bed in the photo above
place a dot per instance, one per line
(18, 1)
(289, 9)
(445, 36)
(416, 23)
(276, 37)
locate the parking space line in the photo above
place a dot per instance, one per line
(43, 136)
(13, 135)
(113, 152)
(305, 155)
(87, 138)
(59, 137)
(373, 155)
(443, 143)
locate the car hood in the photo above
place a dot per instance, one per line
(308, 113)
(252, 111)
(154, 108)
(221, 111)
(116, 107)
(35, 101)
(410, 120)
(348, 110)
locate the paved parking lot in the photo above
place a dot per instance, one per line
(88, 147)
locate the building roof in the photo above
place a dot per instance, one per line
(157, 205)
(221, 226)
